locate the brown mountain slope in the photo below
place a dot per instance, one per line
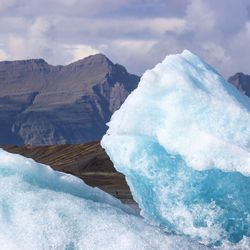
(86, 161)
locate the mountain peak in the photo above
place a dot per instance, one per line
(242, 82)
(94, 60)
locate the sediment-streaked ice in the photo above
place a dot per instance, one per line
(182, 139)
(44, 209)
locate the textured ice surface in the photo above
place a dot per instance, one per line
(182, 139)
(44, 209)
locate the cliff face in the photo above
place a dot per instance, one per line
(241, 82)
(44, 104)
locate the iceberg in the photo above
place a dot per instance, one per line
(182, 139)
(44, 209)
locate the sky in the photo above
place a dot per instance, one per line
(135, 33)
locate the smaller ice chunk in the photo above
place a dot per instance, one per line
(44, 209)
(182, 138)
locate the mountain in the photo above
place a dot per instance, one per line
(241, 82)
(42, 104)
(87, 161)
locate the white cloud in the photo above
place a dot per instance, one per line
(156, 26)
(35, 43)
(3, 55)
(134, 54)
(136, 33)
(200, 17)
(135, 47)
(216, 54)
(213, 32)
(79, 51)
(239, 50)
(5, 4)
(116, 28)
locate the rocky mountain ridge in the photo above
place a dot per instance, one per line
(242, 82)
(42, 104)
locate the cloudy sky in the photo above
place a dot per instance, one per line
(135, 33)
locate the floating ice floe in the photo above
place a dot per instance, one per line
(44, 209)
(182, 139)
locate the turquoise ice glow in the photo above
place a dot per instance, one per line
(182, 139)
(44, 209)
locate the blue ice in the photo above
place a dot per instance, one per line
(44, 209)
(182, 139)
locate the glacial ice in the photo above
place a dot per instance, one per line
(44, 209)
(182, 139)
